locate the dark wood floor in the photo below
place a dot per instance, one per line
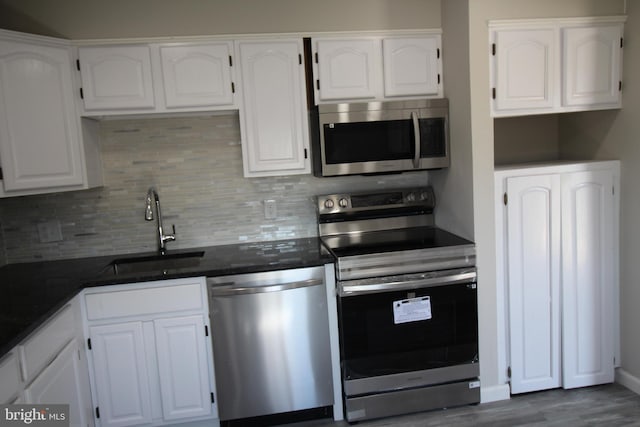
(606, 406)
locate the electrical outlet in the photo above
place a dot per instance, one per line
(270, 209)
(50, 231)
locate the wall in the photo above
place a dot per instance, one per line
(614, 135)
(85, 19)
(480, 12)
(196, 165)
(526, 139)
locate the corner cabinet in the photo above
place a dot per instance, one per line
(555, 65)
(273, 114)
(377, 67)
(44, 145)
(557, 259)
(150, 353)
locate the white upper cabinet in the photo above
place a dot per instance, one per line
(556, 65)
(377, 67)
(592, 65)
(44, 146)
(348, 68)
(273, 116)
(157, 78)
(197, 75)
(411, 66)
(116, 77)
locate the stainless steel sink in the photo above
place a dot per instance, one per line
(162, 263)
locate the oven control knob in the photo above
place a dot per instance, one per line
(328, 204)
(343, 202)
(411, 197)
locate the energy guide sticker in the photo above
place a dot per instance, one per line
(411, 310)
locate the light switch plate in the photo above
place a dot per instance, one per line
(50, 231)
(270, 209)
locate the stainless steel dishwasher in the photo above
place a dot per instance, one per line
(270, 342)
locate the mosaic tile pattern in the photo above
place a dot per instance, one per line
(196, 165)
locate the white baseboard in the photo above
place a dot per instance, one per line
(631, 382)
(495, 393)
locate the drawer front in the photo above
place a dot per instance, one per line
(145, 301)
(45, 343)
(9, 378)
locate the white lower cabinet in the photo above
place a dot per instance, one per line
(558, 271)
(151, 365)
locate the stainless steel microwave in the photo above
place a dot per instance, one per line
(380, 137)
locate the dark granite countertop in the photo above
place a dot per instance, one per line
(31, 292)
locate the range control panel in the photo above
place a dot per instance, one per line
(368, 201)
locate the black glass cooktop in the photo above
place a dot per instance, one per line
(403, 239)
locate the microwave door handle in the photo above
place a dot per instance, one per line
(416, 139)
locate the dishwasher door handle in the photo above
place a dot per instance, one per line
(231, 289)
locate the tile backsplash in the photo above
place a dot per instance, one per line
(196, 165)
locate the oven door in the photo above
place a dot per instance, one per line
(408, 331)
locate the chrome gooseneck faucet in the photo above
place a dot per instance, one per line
(152, 197)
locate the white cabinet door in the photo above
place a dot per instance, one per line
(10, 383)
(348, 69)
(588, 278)
(120, 372)
(183, 368)
(533, 272)
(63, 382)
(592, 65)
(197, 75)
(273, 116)
(525, 69)
(116, 77)
(411, 66)
(39, 130)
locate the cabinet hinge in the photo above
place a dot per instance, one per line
(89, 343)
(620, 86)
(1, 177)
(493, 93)
(508, 371)
(505, 199)
(206, 331)
(230, 61)
(318, 84)
(438, 78)
(621, 42)
(613, 190)
(81, 94)
(233, 87)
(79, 357)
(213, 400)
(78, 64)
(306, 154)
(299, 59)
(438, 53)
(493, 49)
(316, 57)
(97, 412)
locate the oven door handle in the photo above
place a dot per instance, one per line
(345, 289)
(416, 140)
(230, 289)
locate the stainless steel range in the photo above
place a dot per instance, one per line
(407, 304)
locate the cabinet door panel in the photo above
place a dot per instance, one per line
(9, 378)
(525, 69)
(116, 77)
(197, 75)
(39, 132)
(592, 67)
(121, 377)
(533, 230)
(273, 116)
(62, 383)
(411, 66)
(346, 68)
(588, 278)
(183, 368)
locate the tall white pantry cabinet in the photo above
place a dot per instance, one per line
(557, 254)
